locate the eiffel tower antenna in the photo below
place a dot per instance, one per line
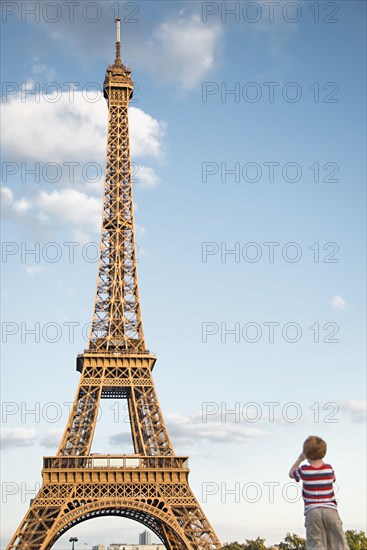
(118, 60)
(150, 485)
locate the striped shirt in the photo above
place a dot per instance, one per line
(317, 487)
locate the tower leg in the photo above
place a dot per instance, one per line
(33, 530)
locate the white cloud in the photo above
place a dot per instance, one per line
(58, 130)
(51, 439)
(24, 437)
(147, 177)
(17, 437)
(188, 430)
(185, 47)
(82, 237)
(18, 210)
(71, 207)
(68, 128)
(6, 196)
(147, 134)
(42, 71)
(181, 48)
(122, 438)
(67, 208)
(21, 206)
(337, 302)
(74, 132)
(63, 127)
(32, 270)
(139, 229)
(185, 429)
(357, 408)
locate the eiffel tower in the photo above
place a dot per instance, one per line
(150, 486)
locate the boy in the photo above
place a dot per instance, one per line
(324, 530)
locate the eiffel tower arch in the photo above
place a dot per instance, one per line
(151, 485)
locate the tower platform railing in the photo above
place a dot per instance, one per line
(115, 461)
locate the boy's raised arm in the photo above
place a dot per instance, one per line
(295, 466)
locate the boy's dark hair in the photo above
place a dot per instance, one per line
(314, 447)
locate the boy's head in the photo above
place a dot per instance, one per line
(314, 448)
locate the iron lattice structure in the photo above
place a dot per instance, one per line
(151, 486)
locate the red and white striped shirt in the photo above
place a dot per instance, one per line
(317, 487)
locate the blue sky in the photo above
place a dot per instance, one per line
(188, 132)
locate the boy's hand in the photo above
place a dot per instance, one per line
(295, 466)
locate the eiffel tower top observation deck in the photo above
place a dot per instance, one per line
(117, 324)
